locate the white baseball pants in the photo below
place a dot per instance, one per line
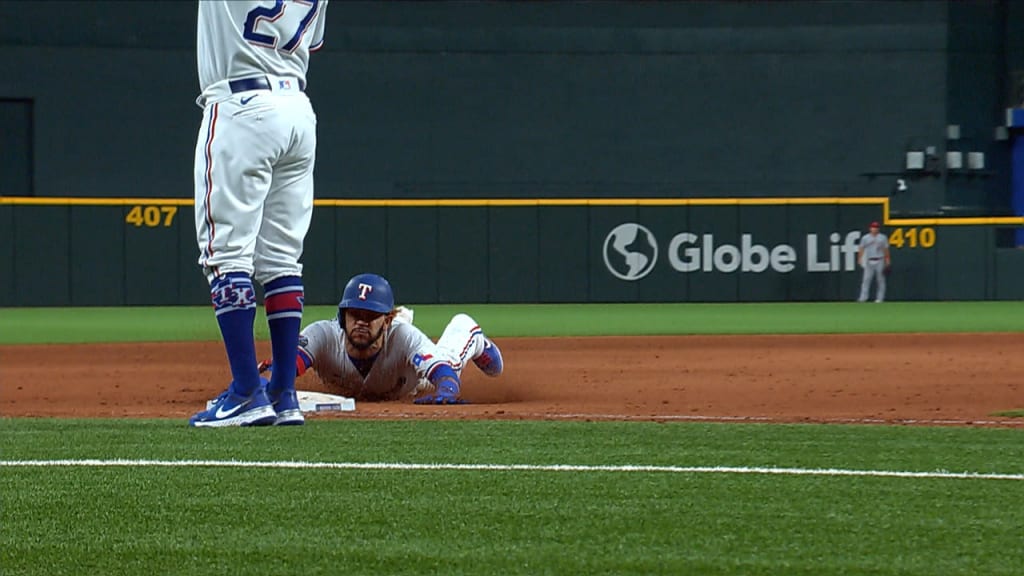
(254, 181)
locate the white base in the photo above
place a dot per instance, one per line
(318, 402)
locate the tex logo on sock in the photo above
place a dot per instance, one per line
(233, 294)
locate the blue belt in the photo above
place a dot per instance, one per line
(257, 83)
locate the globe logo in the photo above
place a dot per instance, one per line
(630, 251)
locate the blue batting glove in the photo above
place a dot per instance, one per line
(447, 393)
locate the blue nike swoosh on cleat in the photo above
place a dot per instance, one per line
(246, 100)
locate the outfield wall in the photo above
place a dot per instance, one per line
(545, 123)
(539, 99)
(518, 250)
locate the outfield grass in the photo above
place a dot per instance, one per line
(221, 520)
(60, 325)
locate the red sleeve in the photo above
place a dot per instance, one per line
(302, 362)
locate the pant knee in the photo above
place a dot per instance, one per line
(463, 321)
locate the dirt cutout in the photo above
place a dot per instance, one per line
(956, 379)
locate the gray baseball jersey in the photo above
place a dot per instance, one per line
(407, 356)
(874, 245)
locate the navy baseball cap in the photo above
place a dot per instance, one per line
(367, 292)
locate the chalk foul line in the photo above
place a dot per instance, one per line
(772, 420)
(944, 474)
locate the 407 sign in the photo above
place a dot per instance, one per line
(151, 216)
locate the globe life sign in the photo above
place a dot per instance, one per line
(631, 251)
(689, 253)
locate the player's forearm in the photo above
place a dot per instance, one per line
(442, 373)
(303, 362)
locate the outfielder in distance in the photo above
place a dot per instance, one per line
(875, 258)
(371, 351)
(254, 189)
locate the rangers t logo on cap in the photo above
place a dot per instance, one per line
(364, 289)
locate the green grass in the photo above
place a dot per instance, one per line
(61, 325)
(221, 520)
(205, 520)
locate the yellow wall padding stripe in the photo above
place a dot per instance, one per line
(882, 201)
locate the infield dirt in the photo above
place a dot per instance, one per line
(896, 378)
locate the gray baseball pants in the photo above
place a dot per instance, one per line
(873, 269)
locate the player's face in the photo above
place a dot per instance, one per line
(874, 231)
(363, 327)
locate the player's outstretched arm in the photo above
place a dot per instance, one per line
(447, 387)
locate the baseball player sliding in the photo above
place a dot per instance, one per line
(371, 351)
(873, 256)
(254, 189)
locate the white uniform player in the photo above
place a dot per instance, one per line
(873, 256)
(257, 143)
(403, 365)
(254, 188)
(372, 351)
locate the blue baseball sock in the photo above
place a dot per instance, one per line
(283, 301)
(234, 302)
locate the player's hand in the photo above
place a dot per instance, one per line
(447, 393)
